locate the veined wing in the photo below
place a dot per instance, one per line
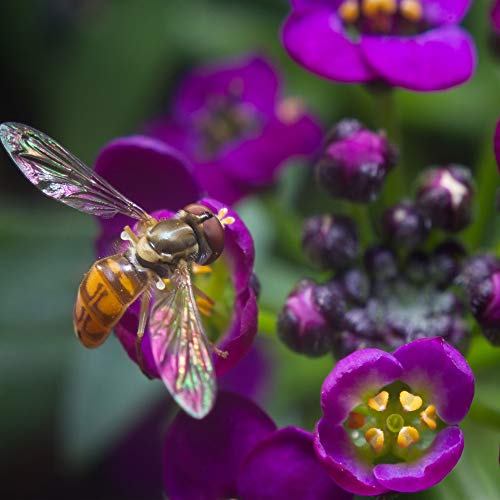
(61, 175)
(180, 346)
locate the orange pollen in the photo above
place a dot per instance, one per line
(290, 109)
(349, 11)
(411, 10)
(197, 269)
(355, 420)
(372, 8)
(407, 435)
(409, 402)
(205, 306)
(379, 402)
(375, 438)
(428, 417)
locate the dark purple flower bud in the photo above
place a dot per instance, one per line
(404, 224)
(301, 326)
(356, 285)
(355, 162)
(360, 323)
(446, 262)
(417, 267)
(495, 26)
(445, 196)
(381, 263)
(346, 342)
(330, 299)
(477, 269)
(330, 241)
(485, 306)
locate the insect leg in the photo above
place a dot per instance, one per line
(143, 319)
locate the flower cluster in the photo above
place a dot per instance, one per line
(230, 120)
(415, 44)
(400, 288)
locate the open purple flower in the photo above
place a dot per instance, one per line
(237, 452)
(390, 420)
(157, 178)
(414, 44)
(235, 127)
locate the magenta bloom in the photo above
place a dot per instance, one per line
(235, 127)
(495, 17)
(237, 452)
(390, 420)
(414, 44)
(159, 179)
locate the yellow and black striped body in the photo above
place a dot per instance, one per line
(107, 290)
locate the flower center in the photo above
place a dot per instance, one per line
(382, 16)
(394, 425)
(214, 296)
(225, 119)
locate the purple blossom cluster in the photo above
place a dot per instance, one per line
(389, 310)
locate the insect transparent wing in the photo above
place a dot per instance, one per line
(62, 176)
(180, 347)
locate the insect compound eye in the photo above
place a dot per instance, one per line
(212, 230)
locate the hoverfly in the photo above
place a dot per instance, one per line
(156, 266)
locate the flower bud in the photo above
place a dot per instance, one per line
(417, 267)
(476, 269)
(446, 262)
(445, 197)
(381, 263)
(404, 224)
(301, 326)
(485, 306)
(331, 301)
(330, 241)
(355, 162)
(356, 286)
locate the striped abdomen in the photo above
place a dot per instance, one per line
(107, 290)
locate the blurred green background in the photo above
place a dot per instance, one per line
(87, 71)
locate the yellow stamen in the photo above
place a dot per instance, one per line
(409, 402)
(197, 269)
(355, 420)
(204, 306)
(349, 11)
(290, 109)
(379, 402)
(428, 417)
(375, 438)
(372, 8)
(411, 10)
(225, 221)
(407, 435)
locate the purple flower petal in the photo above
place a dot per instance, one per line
(496, 142)
(305, 4)
(202, 457)
(435, 60)
(341, 460)
(438, 12)
(439, 373)
(149, 172)
(495, 16)
(239, 254)
(435, 464)
(253, 76)
(361, 374)
(284, 467)
(279, 141)
(315, 38)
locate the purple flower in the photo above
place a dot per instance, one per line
(390, 421)
(237, 452)
(233, 124)
(160, 180)
(414, 44)
(445, 197)
(495, 17)
(355, 162)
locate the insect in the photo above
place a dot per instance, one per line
(156, 266)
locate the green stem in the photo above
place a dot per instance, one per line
(398, 179)
(485, 194)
